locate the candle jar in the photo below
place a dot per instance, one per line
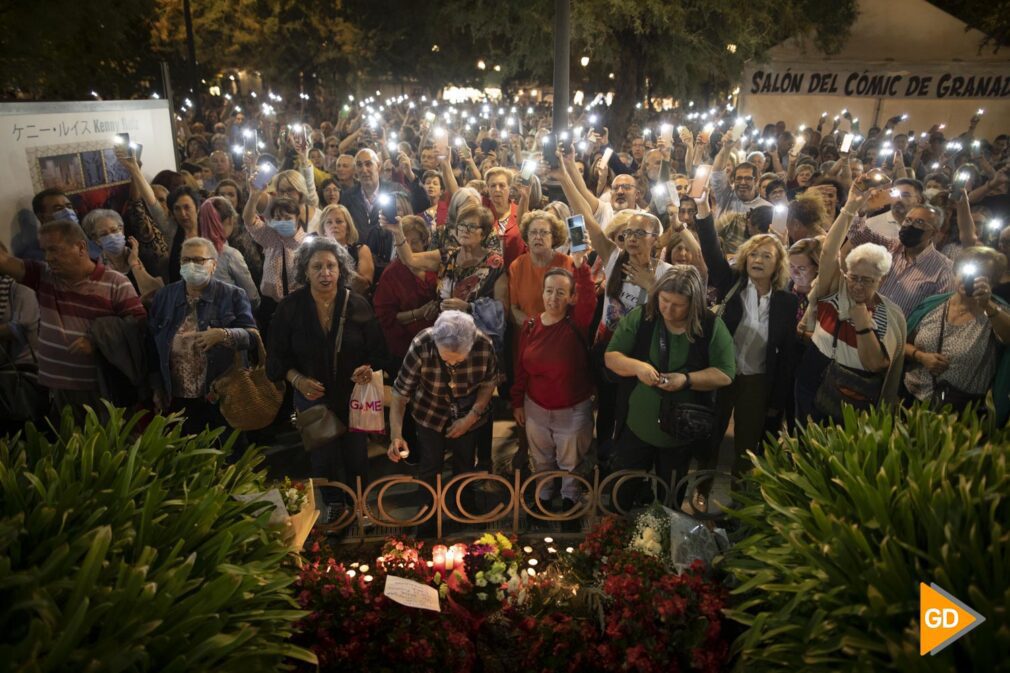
(438, 557)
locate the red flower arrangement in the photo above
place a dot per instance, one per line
(604, 607)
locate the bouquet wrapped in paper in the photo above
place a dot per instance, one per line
(294, 511)
(662, 532)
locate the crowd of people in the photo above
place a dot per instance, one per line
(628, 296)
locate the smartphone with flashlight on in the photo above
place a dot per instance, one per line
(607, 153)
(577, 233)
(699, 185)
(264, 172)
(846, 143)
(250, 142)
(969, 272)
(529, 168)
(123, 140)
(959, 185)
(387, 206)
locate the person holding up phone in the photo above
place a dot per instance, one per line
(735, 196)
(552, 393)
(630, 275)
(956, 350)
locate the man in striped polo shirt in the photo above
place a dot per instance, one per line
(73, 290)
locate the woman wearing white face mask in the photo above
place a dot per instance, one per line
(279, 234)
(196, 324)
(105, 228)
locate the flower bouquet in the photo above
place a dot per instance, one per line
(294, 510)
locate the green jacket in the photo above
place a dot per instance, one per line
(1001, 383)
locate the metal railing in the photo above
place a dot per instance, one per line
(367, 516)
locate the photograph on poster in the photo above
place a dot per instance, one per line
(94, 168)
(62, 171)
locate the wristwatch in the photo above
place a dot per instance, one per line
(687, 381)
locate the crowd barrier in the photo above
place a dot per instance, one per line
(517, 510)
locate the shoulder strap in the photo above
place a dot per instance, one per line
(643, 339)
(339, 341)
(578, 332)
(721, 308)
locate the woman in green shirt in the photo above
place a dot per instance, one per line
(675, 313)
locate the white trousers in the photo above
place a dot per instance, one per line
(559, 439)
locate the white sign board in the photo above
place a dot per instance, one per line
(69, 146)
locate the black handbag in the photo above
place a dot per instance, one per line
(686, 421)
(843, 385)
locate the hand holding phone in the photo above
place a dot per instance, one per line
(577, 233)
(260, 179)
(699, 185)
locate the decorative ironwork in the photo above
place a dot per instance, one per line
(599, 499)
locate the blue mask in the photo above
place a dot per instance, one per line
(112, 244)
(285, 228)
(66, 214)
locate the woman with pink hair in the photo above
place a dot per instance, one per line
(216, 221)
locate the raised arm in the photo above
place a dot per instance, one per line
(580, 184)
(603, 245)
(11, 266)
(965, 222)
(722, 276)
(722, 158)
(829, 273)
(451, 186)
(429, 260)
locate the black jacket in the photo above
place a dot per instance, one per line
(780, 363)
(365, 219)
(297, 341)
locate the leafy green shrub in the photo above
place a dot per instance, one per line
(842, 523)
(121, 552)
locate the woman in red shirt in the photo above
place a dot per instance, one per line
(405, 300)
(552, 393)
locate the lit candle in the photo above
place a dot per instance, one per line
(460, 550)
(548, 540)
(438, 557)
(450, 559)
(528, 549)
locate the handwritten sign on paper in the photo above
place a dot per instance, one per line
(412, 594)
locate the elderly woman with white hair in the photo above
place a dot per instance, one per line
(104, 227)
(449, 376)
(859, 335)
(197, 323)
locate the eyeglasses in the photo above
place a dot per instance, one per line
(468, 226)
(636, 233)
(917, 223)
(623, 188)
(196, 260)
(539, 233)
(865, 281)
(743, 178)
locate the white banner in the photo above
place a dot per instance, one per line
(69, 146)
(883, 80)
